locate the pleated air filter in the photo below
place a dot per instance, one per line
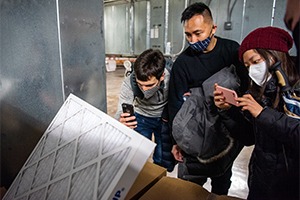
(83, 154)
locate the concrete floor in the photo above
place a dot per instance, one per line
(238, 187)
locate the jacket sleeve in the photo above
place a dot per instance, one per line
(279, 126)
(239, 126)
(178, 85)
(126, 96)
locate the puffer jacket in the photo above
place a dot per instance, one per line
(208, 148)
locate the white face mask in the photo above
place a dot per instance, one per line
(258, 71)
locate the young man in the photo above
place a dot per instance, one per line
(206, 55)
(147, 89)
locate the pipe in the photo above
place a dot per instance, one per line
(273, 12)
(148, 19)
(229, 10)
(243, 19)
(60, 53)
(183, 39)
(131, 28)
(166, 26)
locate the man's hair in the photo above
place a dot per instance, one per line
(198, 8)
(149, 63)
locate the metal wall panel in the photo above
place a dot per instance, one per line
(30, 79)
(83, 50)
(157, 24)
(246, 15)
(116, 21)
(140, 27)
(176, 35)
(45, 55)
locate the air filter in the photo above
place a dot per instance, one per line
(83, 154)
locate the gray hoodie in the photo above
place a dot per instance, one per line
(152, 107)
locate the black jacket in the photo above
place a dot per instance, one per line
(274, 164)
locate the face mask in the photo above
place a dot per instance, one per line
(200, 46)
(149, 93)
(258, 71)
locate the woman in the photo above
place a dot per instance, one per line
(274, 164)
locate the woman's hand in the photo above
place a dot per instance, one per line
(127, 120)
(219, 99)
(247, 102)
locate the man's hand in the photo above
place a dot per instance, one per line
(128, 121)
(176, 151)
(292, 14)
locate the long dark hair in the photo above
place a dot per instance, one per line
(287, 65)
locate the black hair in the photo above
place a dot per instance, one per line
(149, 63)
(198, 8)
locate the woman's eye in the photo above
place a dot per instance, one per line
(258, 60)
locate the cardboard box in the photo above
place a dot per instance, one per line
(174, 188)
(150, 174)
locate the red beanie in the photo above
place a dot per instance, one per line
(271, 38)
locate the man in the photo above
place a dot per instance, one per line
(206, 55)
(147, 89)
(292, 22)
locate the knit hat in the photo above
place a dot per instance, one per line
(271, 38)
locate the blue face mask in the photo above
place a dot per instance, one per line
(200, 46)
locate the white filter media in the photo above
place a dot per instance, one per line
(83, 154)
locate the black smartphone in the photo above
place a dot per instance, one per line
(128, 108)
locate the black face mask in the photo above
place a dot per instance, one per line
(200, 46)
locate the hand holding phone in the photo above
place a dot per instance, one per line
(230, 95)
(128, 108)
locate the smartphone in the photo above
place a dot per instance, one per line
(229, 95)
(128, 108)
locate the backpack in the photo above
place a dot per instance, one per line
(290, 94)
(197, 127)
